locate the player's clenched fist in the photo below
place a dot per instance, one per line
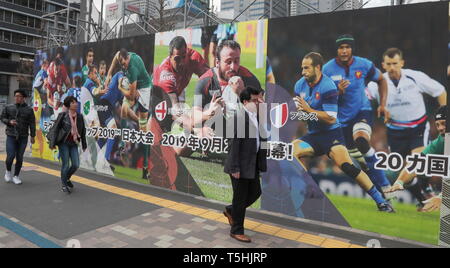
(237, 84)
(302, 105)
(342, 86)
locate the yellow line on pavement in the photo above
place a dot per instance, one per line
(213, 215)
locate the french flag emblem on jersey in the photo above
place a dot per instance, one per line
(279, 115)
(161, 111)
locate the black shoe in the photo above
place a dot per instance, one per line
(69, 183)
(386, 207)
(145, 174)
(66, 190)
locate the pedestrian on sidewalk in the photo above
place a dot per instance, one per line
(67, 133)
(246, 159)
(20, 122)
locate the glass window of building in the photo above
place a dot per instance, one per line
(7, 37)
(8, 16)
(37, 23)
(32, 4)
(39, 5)
(31, 22)
(4, 81)
(22, 2)
(2, 15)
(30, 41)
(20, 19)
(50, 8)
(19, 39)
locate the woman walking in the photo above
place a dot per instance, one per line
(69, 130)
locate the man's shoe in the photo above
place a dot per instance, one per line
(8, 177)
(66, 190)
(386, 207)
(69, 183)
(145, 174)
(16, 180)
(241, 238)
(229, 217)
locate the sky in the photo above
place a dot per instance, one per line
(372, 3)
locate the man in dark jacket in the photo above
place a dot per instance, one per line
(18, 118)
(246, 159)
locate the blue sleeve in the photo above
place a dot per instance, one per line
(373, 74)
(297, 88)
(330, 101)
(330, 97)
(326, 69)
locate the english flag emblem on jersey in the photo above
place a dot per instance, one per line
(279, 115)
(36, 105)
(161, 111)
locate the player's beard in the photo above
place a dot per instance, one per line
(311, 79)
(223, 74)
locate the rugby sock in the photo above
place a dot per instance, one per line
(101, 142)
(109, 148)
(376, 195)
(358, 156)
(146, 151)
(377, 176)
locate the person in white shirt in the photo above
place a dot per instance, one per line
(408, 129)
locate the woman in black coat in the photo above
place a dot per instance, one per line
(67, 133)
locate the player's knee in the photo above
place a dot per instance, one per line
(350, 170)
(302, 148)
(363, 145)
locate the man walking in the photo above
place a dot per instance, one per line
(246, 159)
(18, 118)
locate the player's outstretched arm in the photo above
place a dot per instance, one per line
(403, 178)
(113, 66)
(383, 93)
(432, 204)
(442, 99)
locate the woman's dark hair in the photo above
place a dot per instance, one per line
(69, 100)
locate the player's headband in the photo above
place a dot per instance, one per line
(345, 39)
(441, 114)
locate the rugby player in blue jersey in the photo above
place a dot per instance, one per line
(113, 99)
(351, 74)
(317, 93)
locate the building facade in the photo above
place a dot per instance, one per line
(230, 9)
(22, 31)
(301, 7)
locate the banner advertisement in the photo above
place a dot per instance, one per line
(350, 112)
(371, 57)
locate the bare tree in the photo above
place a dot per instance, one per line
(163, 18)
